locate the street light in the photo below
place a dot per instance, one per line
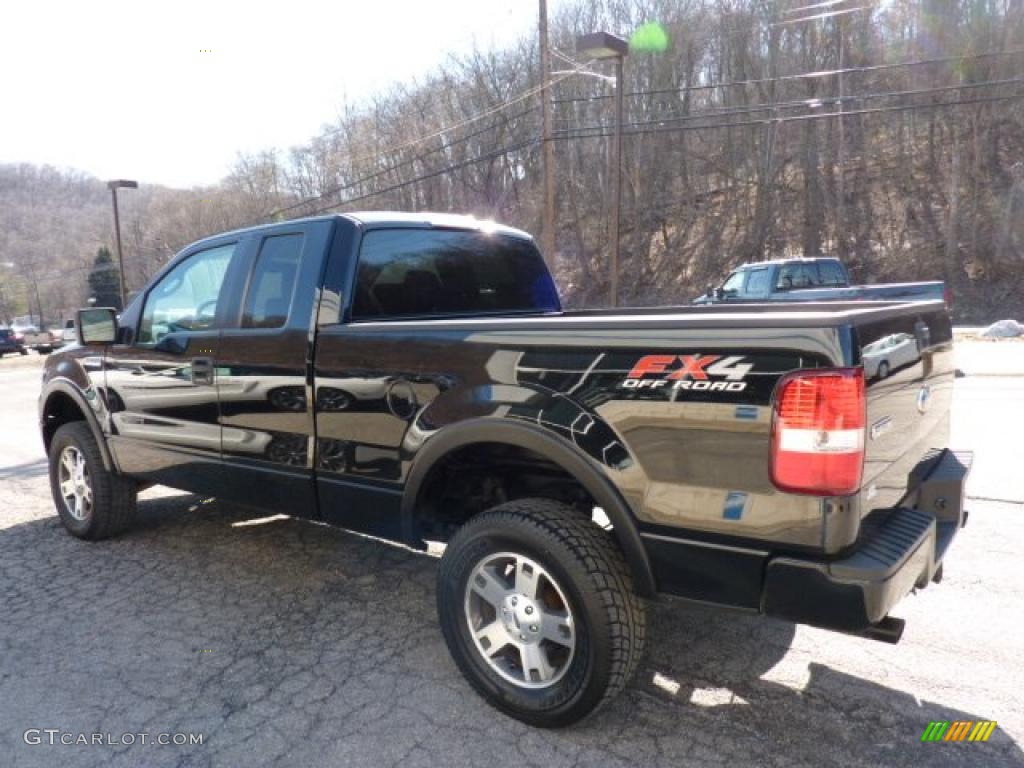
(115, 185)
(602, 45)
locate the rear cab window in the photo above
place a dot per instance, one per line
(797, 275)
(832, 274)
(437, 272)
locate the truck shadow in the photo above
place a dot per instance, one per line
(215, 619)
(30, 469)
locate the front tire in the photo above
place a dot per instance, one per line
(92, 502)
(883, 370)
(538, 609)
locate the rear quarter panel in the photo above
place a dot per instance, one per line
(684, 455)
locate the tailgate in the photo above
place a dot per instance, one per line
(908, 370)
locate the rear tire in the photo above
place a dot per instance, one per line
(883, 370)
(92, 502)
(538, 558)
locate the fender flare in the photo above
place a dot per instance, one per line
(551, 447)
(66, 387)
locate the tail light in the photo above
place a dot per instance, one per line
(947, 296)
(818, 432)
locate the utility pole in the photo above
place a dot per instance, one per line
(115, 185)
(620, 86)
(841, 153)
(548, 226)
(30, 268)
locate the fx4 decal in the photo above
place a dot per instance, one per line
(712, 373)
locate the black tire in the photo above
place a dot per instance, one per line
(883, 370)
(608, 616)
(22, 350)
(112, 510)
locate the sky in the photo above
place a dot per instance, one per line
(169, 91)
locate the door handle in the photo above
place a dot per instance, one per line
(202, 370)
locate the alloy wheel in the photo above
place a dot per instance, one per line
(521, 623)
(75, 483)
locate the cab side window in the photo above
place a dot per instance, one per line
(273, 282)
(185, 299)
(757, 282)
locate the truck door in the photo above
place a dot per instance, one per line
(160, 384)
(264, 372)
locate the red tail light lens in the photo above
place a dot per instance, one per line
(947, 296)
(818, 432)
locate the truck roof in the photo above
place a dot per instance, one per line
(395, 219)
(792, 260)
(432, 219)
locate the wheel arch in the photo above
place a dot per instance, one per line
(64, 403)
(550, 447)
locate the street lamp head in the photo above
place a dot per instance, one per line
(123, 184)
(601, 45)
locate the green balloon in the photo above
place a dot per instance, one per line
(649, 38)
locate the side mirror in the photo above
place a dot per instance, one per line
(97, 325)
(710, 291)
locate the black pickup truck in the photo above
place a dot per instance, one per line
(413, 377)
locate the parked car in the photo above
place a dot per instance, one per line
(814, 279)
(69, 335)
(414, 377)
(9, 342)
(32, 338)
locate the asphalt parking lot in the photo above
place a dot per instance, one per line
(286, 642)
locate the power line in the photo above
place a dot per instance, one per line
(714, 112)
(411, 161)
(422, 157)
(433, 174)
(527, 94)
(963, 102)
(391, 150)
(820, 16)
(801, 76)
(812, 6)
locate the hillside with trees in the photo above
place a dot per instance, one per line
(892, 136)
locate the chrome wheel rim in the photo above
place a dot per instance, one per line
(520, 621)
(75, 483)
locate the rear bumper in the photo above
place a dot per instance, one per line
(905, 550)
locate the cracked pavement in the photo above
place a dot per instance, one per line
(291, 643)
